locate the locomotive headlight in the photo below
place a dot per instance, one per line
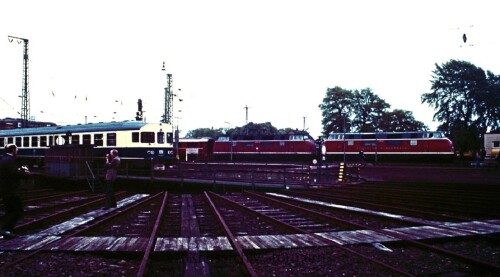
(323, 149)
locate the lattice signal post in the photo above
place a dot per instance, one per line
(25, 101)
(169, 100)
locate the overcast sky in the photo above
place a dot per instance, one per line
(92, 60)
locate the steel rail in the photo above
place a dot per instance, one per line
(329, 242)
(37, 221)
(152, 238)
(81, 230)
(233, 240)
(470, 260)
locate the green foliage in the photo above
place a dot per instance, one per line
(251, 129)
(368, 110)
(467, 102)
(204, 133)
(335, 109)
(362, 111)
(400, 121)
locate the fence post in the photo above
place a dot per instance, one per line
(284, 178)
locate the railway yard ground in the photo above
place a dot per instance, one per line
(390, 220)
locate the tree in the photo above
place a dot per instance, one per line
(253, 129)
(368, 110)
(466, 100)
(400, 121)
(362, 111)
(204, 132)
(336, 109)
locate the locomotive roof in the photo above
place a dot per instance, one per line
(90, 127)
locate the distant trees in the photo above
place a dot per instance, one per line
(251, 129)
(205, 133)
(467, 102)
(363, 111)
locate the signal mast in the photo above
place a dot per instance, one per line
(169, 99)
(25, 103)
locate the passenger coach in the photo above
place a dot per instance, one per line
(389, 146)
(134, 140)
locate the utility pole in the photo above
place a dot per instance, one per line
(246, 114)
(169, 99)
(304, 128)
(25, 102)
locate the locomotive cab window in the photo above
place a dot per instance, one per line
(147, 137)
(135, 136)
(438, 135)
(111, 139)
(394, 136)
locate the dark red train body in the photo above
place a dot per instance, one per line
(195, 149)
(282, 148)
(388, 146)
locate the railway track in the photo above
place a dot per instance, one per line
(349, 230)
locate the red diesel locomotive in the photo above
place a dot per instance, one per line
(278, 148)
(388, 146)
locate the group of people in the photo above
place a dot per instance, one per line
(11, 174)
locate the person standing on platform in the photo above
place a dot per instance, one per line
(112, 164)
(10, 176)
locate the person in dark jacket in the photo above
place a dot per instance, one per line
(10, 175)
(112, 164)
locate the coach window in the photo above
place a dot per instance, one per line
(18, 141)
(86, 140)
(43, 141)
(34, 141)
(135, 136)
(75, 139)
(111, 139)
(2, 142)
(147, 137)
(160, 137)
(10, 140)
(26, 142)
(170, 137)
(51, 141)
(98, 140)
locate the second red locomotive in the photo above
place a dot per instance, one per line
(388, 146)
